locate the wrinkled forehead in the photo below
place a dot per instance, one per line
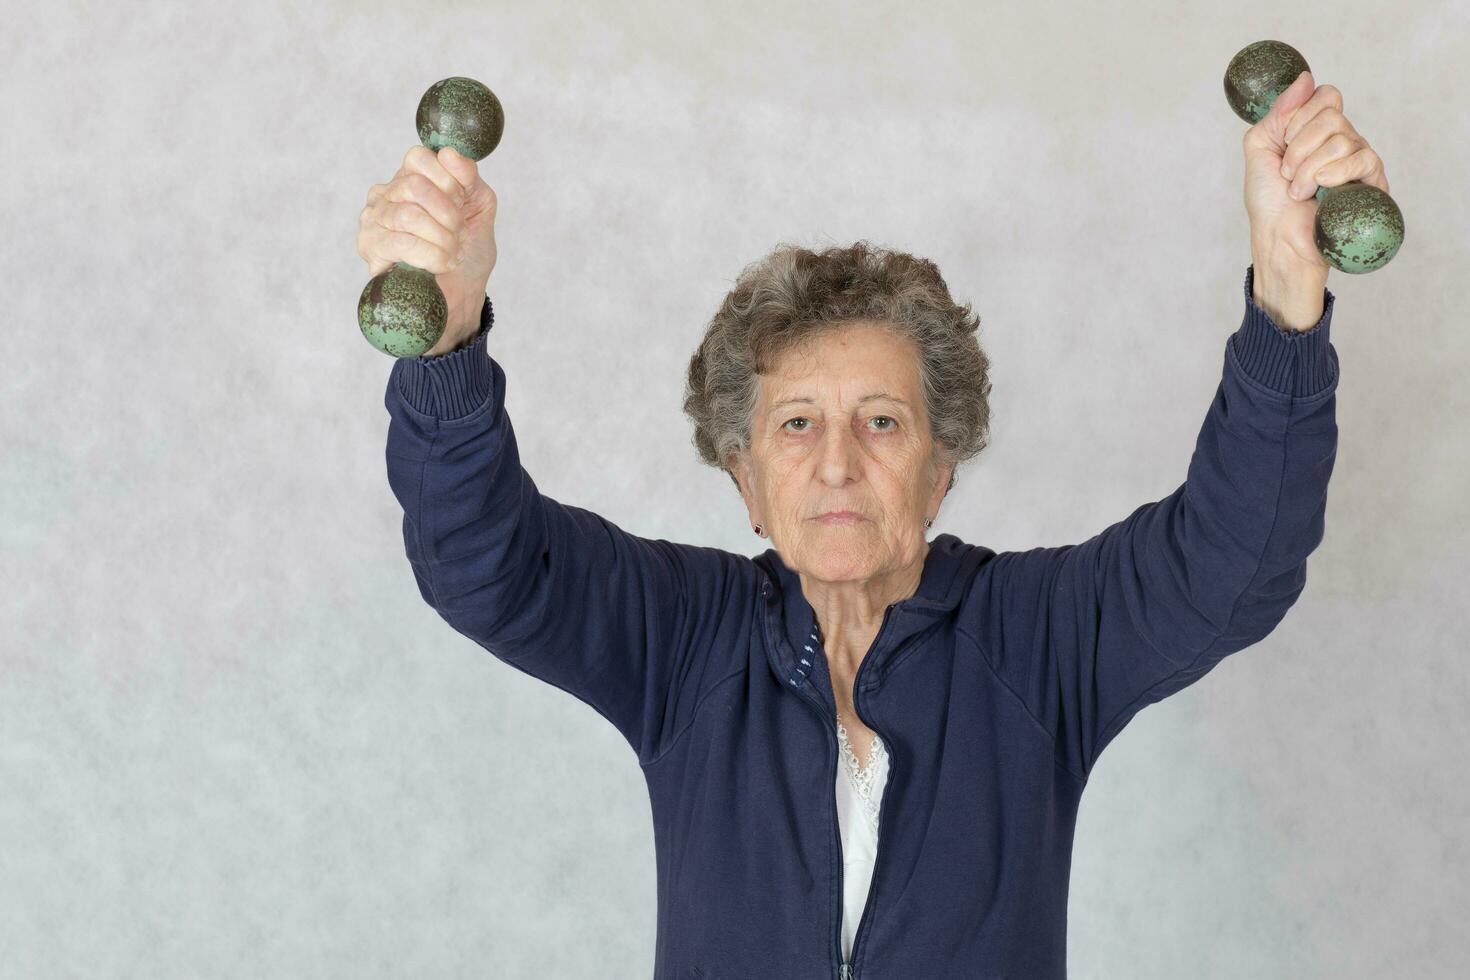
(843, 364)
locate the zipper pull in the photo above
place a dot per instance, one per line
(845, 973)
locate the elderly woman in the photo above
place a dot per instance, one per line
(865, 749)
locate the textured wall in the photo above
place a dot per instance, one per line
(235, 742)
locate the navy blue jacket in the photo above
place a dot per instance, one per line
(995, 687)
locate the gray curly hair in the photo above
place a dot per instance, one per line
(794, 293)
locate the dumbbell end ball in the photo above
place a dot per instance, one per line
(1257, 74)
(462, 113)
(1358, 227)
(402, 311)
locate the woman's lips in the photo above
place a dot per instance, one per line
(841, 517)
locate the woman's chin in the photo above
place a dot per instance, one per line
(840, 552)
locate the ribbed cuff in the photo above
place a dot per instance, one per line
(1294, 362)
(450, 386)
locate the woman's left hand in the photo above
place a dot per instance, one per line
(1306, 133)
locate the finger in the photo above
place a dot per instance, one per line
(1325, 97)
(1324, 167)
(1363, 165)
(401, 246)
(461, 168)
(403, 220)
(1287, 101)
(426, 194)
(377, 266)
(421, 160)
(410, 216)
(1309, 138)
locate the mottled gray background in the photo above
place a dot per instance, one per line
(235, 742)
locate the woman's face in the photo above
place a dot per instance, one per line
(840, 425)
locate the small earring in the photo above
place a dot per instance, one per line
(928, 522)
(758, 530)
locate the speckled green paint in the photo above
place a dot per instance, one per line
(1257, 74)
(1358, 227)
(462, 113)
(402, 311)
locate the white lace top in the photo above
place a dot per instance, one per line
(859, 793)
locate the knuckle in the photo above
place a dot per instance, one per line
(405, 244)
(400, 217)
(407, 215)
(419, 185)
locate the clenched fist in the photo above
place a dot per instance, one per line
(439, 215)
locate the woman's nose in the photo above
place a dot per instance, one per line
(839, 454)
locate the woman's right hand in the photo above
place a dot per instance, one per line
(437, 214)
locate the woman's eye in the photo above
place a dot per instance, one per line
(884, 418)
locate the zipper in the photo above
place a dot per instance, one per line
(843, 972)
(857, 688)
(844, 969)
(813, 702)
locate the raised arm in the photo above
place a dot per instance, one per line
(1088, 634)
(624, 623)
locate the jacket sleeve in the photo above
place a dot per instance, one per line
(623, 623)
(1088, 634)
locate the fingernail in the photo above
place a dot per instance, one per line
(1286, 170)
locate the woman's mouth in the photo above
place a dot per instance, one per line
(840, 517)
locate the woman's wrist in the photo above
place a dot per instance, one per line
(1292, 296)
(455, 337)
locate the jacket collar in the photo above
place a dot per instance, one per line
(791, 620)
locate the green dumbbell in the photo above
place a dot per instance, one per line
(402, 311)
(1358, 227)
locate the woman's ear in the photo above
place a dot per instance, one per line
(740, 469)
(941, 488)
